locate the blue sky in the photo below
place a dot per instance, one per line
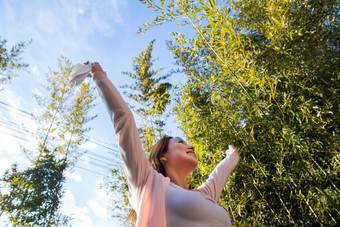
(81, 30)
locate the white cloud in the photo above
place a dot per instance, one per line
(75, 176)
(9, 142)
(88, 145)
(6, 160)
(13, 99)
(5, 163)
(99, 205)
(3, 219)
(80, 215)
(34, 70)
(101, 191)
(61, 27)
(97, 208)
(85, 160)
(12, 135)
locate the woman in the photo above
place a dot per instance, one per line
(158, 190)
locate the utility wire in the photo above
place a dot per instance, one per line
(90, 139)
(79, 167)
(22, 111)
(94, 156)
(98, 161)
(6, 105)
(89, 154)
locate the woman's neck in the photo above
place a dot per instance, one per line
(180, 180)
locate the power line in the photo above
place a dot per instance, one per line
(90, 139)
(79, 167)
(95, 159)
(100, 141)
(20, 110)
(18, 137)
(95, 164)
(103, 158)
(13, 129)
(109, 148)
(86, 154)
(104, 162)
(99, 156)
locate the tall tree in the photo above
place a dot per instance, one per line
(35, 193)
(264, 76)
(152, 94)
(10, 60)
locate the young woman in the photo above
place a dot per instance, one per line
(158, 190)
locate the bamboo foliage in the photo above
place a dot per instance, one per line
(10, 60)
(35, 193)
(152, 93)
(264, 76)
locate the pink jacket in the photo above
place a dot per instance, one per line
(147, 187)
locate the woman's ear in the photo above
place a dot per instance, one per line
(163, 159)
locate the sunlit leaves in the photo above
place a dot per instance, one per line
(152, 93)
(35, 193)
(64, 115)
(264, 76)
(10, 60)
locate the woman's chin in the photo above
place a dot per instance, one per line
(193, 165)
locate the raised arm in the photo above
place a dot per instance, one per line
(137, 166)
(213, 187)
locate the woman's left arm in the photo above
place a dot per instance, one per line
(217, 180)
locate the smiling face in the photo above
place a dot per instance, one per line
(180, 156)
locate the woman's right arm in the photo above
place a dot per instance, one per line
(137, 166)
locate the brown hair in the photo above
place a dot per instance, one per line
(156, 152)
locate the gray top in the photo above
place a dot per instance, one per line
(190, 209)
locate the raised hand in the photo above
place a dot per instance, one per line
(231, 150)
(96, 67)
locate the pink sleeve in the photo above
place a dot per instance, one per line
(137, 166)
(217, 180)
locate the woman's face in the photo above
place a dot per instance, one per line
(180, 154)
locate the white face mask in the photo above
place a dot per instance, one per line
(79, 73)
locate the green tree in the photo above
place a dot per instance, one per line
(264, 76)
(10, 60)
(151, 93)
(35, 193)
